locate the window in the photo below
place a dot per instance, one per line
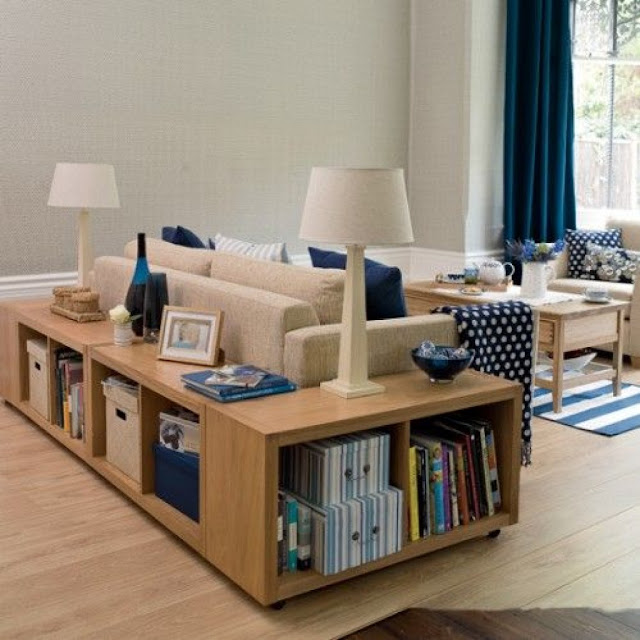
(606, 77)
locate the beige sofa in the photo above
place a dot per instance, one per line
(619, 291)
(282, 317)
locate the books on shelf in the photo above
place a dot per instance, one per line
(462, 479)
(347, 512)
(336, 469)
(69, 407)
(237, 382)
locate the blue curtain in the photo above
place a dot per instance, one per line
(539, 194)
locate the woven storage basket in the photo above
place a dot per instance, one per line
(123, 429)
(84, 302)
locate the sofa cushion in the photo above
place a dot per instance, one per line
(182, 236)
(255, 322)
(630, 228)
(165, 254)
(383, 285)
(617, 290)
(577, 240)
(322, 288)
(274, 252)
(609, 264)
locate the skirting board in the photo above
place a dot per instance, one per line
(34, 286)
(416, 263)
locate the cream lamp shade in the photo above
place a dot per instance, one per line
(355, 207)
(84, 186)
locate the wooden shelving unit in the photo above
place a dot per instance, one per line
(240, 445)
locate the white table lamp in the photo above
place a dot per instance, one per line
(358, 208)
(84, 186)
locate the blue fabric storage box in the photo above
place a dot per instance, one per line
(176, 482)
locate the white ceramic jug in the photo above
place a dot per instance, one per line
(494, 272)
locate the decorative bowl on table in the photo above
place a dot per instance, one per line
(442, 364)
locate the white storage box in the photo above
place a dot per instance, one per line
(123, 428)
(38, 376)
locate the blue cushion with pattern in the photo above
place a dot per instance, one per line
(383, 285)
(577, 240)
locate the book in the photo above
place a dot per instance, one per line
(414, 530)
(423, 491)
(281, 534)
(493, 469)
(291, 508)
(453, 486)
(244, 394)
(436, 481)
(269, 384)
(446, 489)
(304, 537)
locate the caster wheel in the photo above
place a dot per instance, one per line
(493, 534)
(276, 606)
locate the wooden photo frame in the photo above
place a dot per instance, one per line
(190, 335)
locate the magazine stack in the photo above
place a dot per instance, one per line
(336, 508)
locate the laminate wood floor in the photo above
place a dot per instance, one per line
(77, 559)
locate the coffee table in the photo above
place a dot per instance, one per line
(560, 327)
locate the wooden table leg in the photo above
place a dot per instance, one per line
(558, 366)
(617, 355)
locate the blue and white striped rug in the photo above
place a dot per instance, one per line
(593, 408)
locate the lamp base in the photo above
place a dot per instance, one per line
(347, 390)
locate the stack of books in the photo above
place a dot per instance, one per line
(237, 382)
(453, 474)
(69, 391)
(346, 512)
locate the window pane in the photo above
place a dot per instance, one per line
(591, 28)
(607, 169)
(626, 137)
(629, 29)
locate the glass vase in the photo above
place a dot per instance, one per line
(134, 301)
(155, 298)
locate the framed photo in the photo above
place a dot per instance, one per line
(190, 335)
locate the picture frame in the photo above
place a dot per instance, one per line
(190, 335)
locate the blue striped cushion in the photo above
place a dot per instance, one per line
(274, 252)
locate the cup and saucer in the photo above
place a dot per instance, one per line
(597, 295)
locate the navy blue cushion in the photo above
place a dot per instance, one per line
(383, 284)
(182, 236)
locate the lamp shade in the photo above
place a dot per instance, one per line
(356, 206)
(85, 186)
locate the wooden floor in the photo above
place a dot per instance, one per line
(77, 559)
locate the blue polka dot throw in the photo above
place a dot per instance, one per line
(501, 334)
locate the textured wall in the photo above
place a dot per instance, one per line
(455, 152)
(438, 167)
(212, 112)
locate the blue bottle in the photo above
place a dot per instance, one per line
(135, 296)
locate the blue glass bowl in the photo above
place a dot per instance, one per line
(442, 364)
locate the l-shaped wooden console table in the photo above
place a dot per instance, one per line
(240, 442)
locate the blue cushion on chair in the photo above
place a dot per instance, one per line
(383, 284)
(182, 236)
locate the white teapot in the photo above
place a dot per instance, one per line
(494, 272)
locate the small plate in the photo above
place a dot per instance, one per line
(597, 300)
(471, 292)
